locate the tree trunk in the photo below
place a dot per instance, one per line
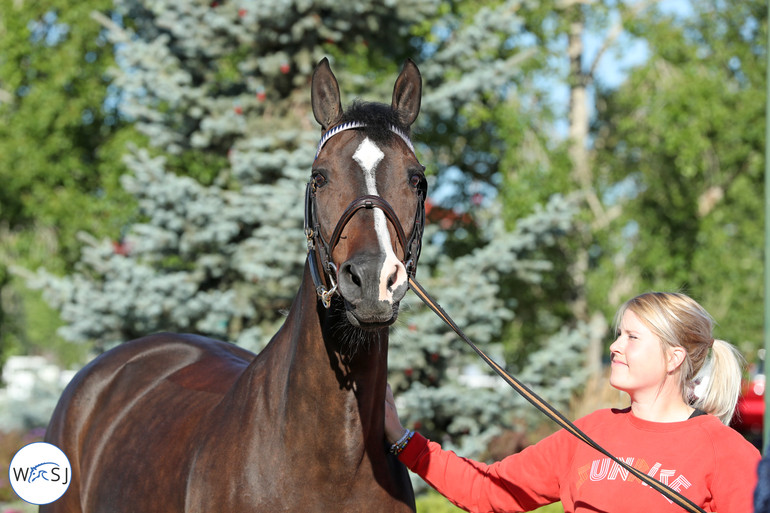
(578, 81)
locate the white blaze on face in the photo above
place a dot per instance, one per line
(368, 156)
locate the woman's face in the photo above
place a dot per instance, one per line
(638, 362)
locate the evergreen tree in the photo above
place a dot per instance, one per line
(221, 91)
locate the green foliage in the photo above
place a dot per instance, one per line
(534, 167)
(681, 145)
(60, 150)
(7, 327)
(57, 166)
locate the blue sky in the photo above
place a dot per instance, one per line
(611, 69)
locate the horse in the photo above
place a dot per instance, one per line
(183, 423)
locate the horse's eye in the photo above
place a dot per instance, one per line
(415, 180)
(319, 180)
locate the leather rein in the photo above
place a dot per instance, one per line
(319, 247)
(551, 412)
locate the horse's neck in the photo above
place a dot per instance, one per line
(325, 384)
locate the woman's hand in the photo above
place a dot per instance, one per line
(393, 428)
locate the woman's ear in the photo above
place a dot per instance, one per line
(676, 356)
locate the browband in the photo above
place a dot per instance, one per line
(359, 124)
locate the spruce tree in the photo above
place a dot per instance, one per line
(221, 91)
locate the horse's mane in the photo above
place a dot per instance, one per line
(378, 117)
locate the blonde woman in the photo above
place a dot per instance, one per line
(663, 342)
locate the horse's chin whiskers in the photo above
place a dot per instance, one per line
(350, 339)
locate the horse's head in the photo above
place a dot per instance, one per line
(37, 472)
(364, 206)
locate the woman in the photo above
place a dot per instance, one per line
(663, 342)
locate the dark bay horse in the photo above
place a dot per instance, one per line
(181, 423)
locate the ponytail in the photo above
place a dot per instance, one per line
(720, 382)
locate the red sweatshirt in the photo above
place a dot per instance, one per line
(708, 462)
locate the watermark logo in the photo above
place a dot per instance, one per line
(40, 473)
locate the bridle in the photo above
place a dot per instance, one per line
(319, 249)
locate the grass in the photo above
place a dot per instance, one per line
(433, 502)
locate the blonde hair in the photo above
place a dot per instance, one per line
(679, 321)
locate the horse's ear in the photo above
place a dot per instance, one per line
(407, 93)
(325, 95)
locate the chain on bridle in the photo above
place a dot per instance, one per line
(320, 249)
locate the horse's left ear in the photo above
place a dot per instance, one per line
(407, 93)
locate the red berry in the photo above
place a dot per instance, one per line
(285, 68)
(121, 248)
(261, 96)
(241, 12)
(238, 110)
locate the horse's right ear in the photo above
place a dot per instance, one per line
(325, 95)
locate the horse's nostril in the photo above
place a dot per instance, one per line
(392, 279)
(351, 270)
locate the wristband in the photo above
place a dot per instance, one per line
(399, 446)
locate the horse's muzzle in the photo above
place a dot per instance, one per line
(372, 288)
(370, 319)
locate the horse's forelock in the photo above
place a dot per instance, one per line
(378, 117)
